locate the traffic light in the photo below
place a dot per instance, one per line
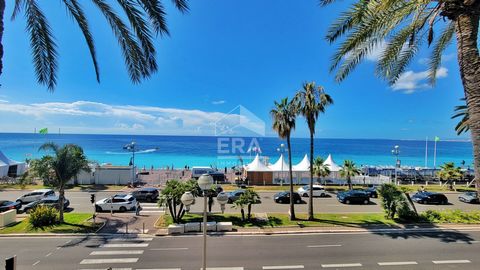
(92, 198)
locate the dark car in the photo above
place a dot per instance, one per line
(214, 191)
(372, 192)
(353, 196)
(146, 194)
(234, 195)
(9, 205)
(53, 201)
(430, 197)
(284, 197)
(218, 177)
(469, 197)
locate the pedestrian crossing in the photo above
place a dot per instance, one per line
(151, 208)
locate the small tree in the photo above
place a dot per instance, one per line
(348, 171)
(247, 199)
(170, 197)
(320, 170)
(40, 168)
(449, 172)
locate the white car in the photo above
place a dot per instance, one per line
(318, 191)
(120, 202)
(35, 195)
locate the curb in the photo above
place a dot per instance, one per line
(70, 235)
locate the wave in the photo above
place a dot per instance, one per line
(136, 152)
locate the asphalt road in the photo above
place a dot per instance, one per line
(80, 202)
(438, 250)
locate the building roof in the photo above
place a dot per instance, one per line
(302, 166)
(257, 166)
(279, 165)
(331, 164)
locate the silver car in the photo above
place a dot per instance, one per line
(469, 197)
(35, 195)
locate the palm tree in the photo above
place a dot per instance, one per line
(449, 172)
(463, 124)
(404, 26)
(320, 170)
(284, 117)
(349, 170)
(146, 19)
(312, 100)
(248, 198)
(67, 162)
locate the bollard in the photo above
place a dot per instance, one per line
(143, 230)
(126, 228)
(11, 263)
(426, 183)
(412, 183)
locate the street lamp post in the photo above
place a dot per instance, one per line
(131, 147)
(281, 150)
(396, 152)
(205, 183)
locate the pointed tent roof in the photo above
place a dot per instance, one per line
(257, 166)
(4, 160)
(302, 166)
(331, 164)
(277, 167)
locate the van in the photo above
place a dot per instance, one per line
(198, 171)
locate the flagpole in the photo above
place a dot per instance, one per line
(426, 152)
(435, 153)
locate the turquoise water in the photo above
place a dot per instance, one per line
(162, 151)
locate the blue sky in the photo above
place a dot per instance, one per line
(219, 55)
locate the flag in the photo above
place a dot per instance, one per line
(437, 138)
(43, 131)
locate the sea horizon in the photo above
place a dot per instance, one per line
(178, 151)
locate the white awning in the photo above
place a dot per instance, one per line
(302, 166)
(5, 164)
(280, 165)
(331, 164)
(257, 166)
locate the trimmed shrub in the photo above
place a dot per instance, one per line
(451, 216)
(43, 216)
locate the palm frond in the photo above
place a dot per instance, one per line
(181, 5)
(44, 50)
(135, 60)
(156, 13)
(78, 14)
(461, 112)
(17, 8)
(436, 58)
(142, 31)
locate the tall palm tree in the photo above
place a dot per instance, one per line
(67, 162)
(312, 100)
(463, 124)
(448, 172)
(404, 26)
(320, 170)
(146, 19)
(348, 171)
(284, 117)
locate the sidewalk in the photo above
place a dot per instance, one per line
(121, 222)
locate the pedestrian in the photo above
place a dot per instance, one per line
(210, 203)
(137, 209)
(225, 170)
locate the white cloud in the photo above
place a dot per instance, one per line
(95, 117)
(218, 102)
(377, 51)
(411, 81)
(3, 101)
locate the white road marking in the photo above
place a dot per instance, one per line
(160, 269)
(68, 242)
(159, 211)
(117, 260)
(117, 252)
(150, 207)
(123, 245)
(223, 268)
(37, 262)
(322, 246)
(168, 249)
(273, 267)
(131, 239)
(339, 265)
(112, 269)
(451, 261)
(48, 254)
(466, 242)
(396, 263)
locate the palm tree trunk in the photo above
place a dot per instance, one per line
(2, 11)
(292, 208)
(469, 61)
(61, 198)
(310, 192)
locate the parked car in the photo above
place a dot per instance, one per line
(469, 197)
(146, 194)
(284, 197)
(372, 192)
(9, 205)
(119, 202)
(234, 195)
(318, 191)
(52, 201)
(215, 190)
(430, 197)
(35, 195)
(353, 196)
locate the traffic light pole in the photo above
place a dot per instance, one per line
(92, 200)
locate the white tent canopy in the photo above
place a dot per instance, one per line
(257, 166)
(302, 166)
(6, 164)
(331, 164)
(280, 165)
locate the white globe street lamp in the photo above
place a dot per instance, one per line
(222, 199)
(205, 182)
(187, 200)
